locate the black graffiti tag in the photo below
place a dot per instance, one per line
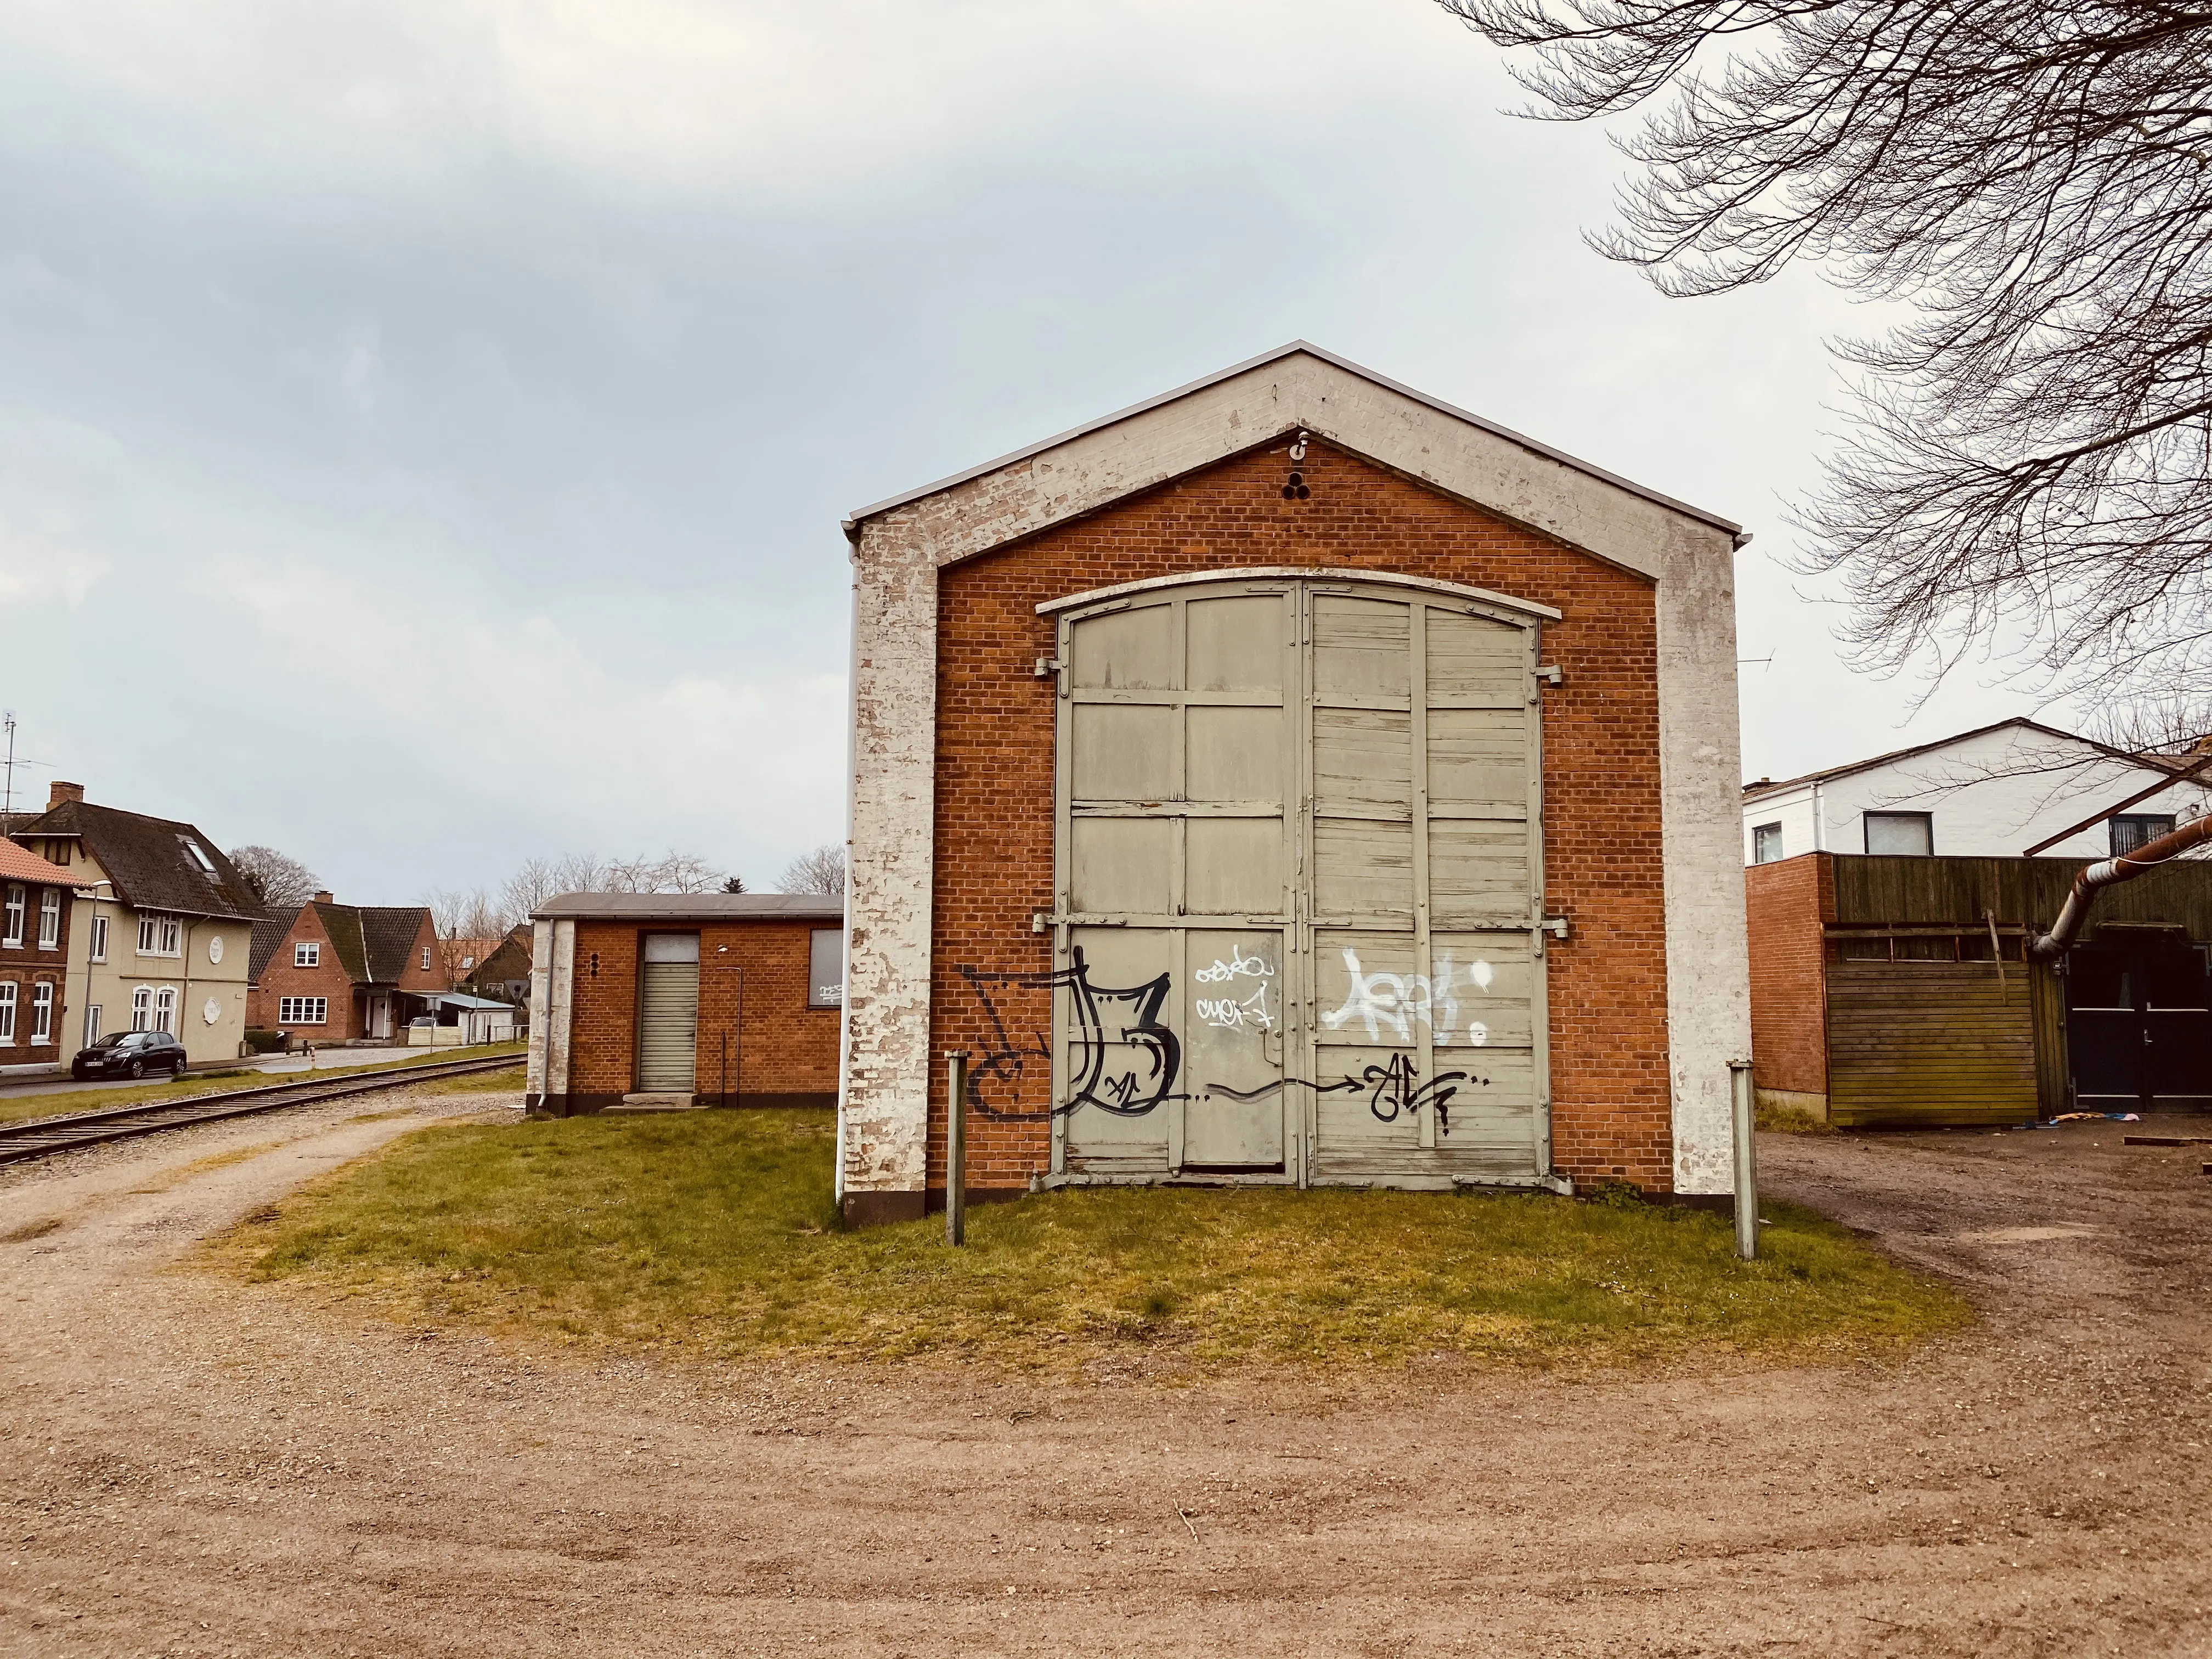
(1123, 1059)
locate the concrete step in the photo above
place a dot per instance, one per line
(659, 1102)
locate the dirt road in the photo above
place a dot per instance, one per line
(188, 1468)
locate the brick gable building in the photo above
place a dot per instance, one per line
(344, 973)
(35, 900)
(1293, 779)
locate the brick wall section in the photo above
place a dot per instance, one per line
(1789, 902)
(785, 1054)
(29, 967)
(327, 978)
(1611, 1114)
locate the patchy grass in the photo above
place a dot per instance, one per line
(194, 1084)
(1790, 1121)
(713, 1234)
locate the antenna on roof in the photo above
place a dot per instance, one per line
(7, 789)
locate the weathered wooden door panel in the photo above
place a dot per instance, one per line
(1928, 1042)
(1305, 814)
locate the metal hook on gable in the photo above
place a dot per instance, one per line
(1298, 449)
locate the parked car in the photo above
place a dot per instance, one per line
(130, 1054)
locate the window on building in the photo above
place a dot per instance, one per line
(306, 956)
(467, 962)
(42, 1013)
(92, 1025)
(98, 938)
(426, 958)
(825, 978)
(50, 920)
(198, 855)
(11, 930)
(142, 1007)
(165, 1009)
(302, 1011)
(7, 1013)
(1765, 843)
(161, 936)
(1904, 835)
(2131, 830)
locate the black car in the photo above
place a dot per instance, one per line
(130, 1054)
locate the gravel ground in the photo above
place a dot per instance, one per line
(189, 1467)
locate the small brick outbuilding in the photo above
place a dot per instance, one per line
(666, 1000)
(1292, 780)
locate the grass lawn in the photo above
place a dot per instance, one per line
(713, 1234)
(16, 1107)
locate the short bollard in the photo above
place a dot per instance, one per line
(1746, 1160)
(956, 1146)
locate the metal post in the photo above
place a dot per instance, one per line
(956, 1146)
(1746, 1160)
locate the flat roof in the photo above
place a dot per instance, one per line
(861, 515)
(693, 907)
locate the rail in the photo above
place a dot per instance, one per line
(43, 1137)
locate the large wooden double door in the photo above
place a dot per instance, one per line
(1298, 929)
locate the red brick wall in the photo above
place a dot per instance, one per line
(1789, 900)
(785, 1052)
(1611, 1107)
(28, 967)
(327, 979)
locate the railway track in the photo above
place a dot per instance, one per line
(42, 1137)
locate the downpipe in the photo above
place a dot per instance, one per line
(2073, 914)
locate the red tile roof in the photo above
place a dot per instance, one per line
(21, 863)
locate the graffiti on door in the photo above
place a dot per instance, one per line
(1395, 1001)
(1122, 1059)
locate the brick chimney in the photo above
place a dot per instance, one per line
(57, 791)
(326, 898)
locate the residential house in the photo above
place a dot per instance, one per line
(1994, 792)
(346, 973)
(35, 901)
(498, 968)
(159, 927)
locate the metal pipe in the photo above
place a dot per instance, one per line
(956, 1146)
(2110, 872)
(1747, 1159)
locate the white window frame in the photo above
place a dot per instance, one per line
(307, 953)
(303, 1011)
(92, 1025)
(50, 920)
(42, 1013)
(98, 942)
(11, 931)
(426, 958)
(165, 932)
(7, 1013)
(142, 1007)
(165, 1009)
(1926, 820)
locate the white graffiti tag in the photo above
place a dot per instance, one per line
(1239, 964)
(1396, 1000)
(1228, 1012)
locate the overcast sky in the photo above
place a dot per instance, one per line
(424, 424)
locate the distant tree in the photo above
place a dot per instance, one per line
(279, 881)
(734, 884)
(822, 870)
(2031, 468)
(469, 927)
(540, 879)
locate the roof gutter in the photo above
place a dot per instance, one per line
(2074, 913)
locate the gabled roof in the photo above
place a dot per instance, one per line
(149, 861)
(21, 863)
(270, 932)
(694, 907)
(1294, 348)
(1765, 786)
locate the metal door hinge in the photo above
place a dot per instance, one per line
(1552, 672)
(1555, 926)
(1047, 666)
